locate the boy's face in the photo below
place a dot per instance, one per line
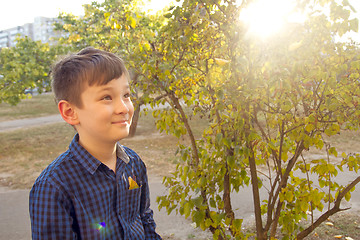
(106, 112)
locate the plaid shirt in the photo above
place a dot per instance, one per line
(78, 197)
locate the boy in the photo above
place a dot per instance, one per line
(97, 189)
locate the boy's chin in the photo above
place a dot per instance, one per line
(125, 135)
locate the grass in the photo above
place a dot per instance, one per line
(25, 153)
(36, 106)
(344, 224)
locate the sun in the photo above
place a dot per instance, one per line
(265, 18)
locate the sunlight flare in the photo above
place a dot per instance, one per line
(265, 18)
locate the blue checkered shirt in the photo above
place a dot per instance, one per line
(78, 197)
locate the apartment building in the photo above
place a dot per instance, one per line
(40, 30)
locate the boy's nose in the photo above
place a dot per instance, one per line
(121, 107)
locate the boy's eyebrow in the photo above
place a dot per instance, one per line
(106, 88)
(127, 87)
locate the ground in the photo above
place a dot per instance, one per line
(31, 149)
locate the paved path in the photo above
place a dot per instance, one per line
(15, 221)
(32, 122)
(29, 122)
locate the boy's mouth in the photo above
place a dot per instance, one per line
(121, 122)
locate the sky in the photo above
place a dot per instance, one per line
(18, 12)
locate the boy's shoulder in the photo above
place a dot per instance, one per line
(56, 169)
(67, 166)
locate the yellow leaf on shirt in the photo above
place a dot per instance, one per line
(132, 184)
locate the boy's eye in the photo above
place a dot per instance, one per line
(107, 97)
(127, 95)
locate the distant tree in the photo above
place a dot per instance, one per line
(26, 65)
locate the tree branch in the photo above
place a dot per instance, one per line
(283, 182)
(336, 208)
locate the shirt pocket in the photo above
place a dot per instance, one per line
(132, 202)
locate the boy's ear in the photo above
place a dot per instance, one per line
(68, 112)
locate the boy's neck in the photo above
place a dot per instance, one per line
(104, 152)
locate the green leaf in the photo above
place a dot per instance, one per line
(212, 203)
(198, 217)
(309, 127)
(237, 223)
(348, 196)
(187, 208)
(289, 196)
(333, 151)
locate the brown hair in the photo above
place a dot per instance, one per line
(89, 66)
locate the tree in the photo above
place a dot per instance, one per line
(266, 104)
(26, 65)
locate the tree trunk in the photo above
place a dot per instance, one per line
(135, 120)
(226, 196)
(134, 79)
(256, 196)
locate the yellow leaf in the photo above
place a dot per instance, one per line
(132, 22)
(132, 184)
(329, 224)
(295, 46)
(221, 62)
(338, 236)
(147, 46)
(67, 26)
(74, 38)
(107, 14)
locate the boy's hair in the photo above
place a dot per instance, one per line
(89, 67)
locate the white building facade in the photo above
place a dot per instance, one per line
(41, 29)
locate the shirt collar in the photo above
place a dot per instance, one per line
(120, 153)
(87, 160)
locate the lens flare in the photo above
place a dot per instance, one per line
(101, 225)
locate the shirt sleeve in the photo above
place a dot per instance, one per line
(50, 213)
(146, 213)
